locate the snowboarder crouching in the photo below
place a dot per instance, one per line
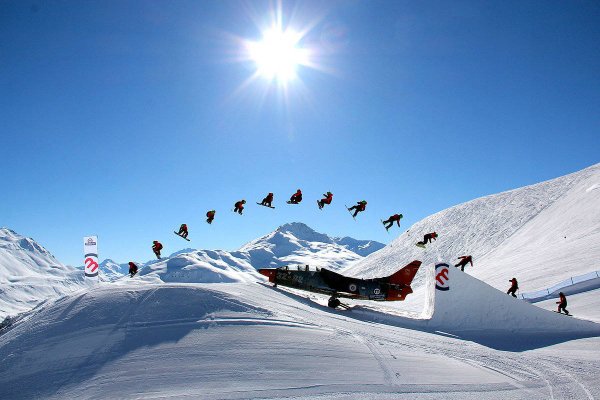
(133, 269)
(513, 287)
(562, 303)
(427, 238)
(359, 207)
(327, 197)
(267, 200)
(210, 215)
(183, 231)
(239, 206)
(394, 218)
(464, 260)
(334, 302)
(296, 197)
(157, 247)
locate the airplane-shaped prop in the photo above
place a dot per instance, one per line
(391, 288)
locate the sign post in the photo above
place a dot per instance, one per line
(90, 251)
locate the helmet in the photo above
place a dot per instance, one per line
(401, 216)
(155, 241)
(213, 211)
(244, 201)
(270, 194)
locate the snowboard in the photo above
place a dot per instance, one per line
(131, 276)
(568, 315)
(181, 236)
(319, 205)
(386, 229)
(352, 215)
(265, 205)
(291, 202)
(421, 245)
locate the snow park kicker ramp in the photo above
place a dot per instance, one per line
(467, 307)
(459, 305)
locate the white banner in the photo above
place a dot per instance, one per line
(90, 251)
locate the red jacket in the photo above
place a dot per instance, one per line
(269, 198)
(157, 246)
(395, 217)
(210, 214)
(239, 204)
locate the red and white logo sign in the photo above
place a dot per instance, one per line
(90, 254)
(441, 276)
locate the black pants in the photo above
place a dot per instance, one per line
(512, 291)
(209, 220)
(356, 208)
(238, 210)
(461, 265)
(182, 233)
(563, 306)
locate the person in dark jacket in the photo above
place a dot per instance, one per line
(133, 269)
(296, 197)
(359, 207)
(210, 216)
(514, 286)
(427, 238)
(157, 247)
(562, 303)
(394, 218)
(239, 207)
(464, 260)
(267, 200)
(183, 231)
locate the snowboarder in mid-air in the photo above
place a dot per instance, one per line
(210, 215)
(327, 197)
(359, 207)
(394, 218)
(267, 200)
(464, 260)
(427, 239)
(133, 269)
(296, 197)
(157, 247)
(183, 231)
(513, 287)
(239, 207)
(562, 303)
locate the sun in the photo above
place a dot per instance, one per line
(278, 55)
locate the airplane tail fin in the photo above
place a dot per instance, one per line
(404, 278)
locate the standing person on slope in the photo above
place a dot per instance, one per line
(239, 207)
(464, 260)
(394, 218)
(267, 200)
(327, 197)
(296, 197)
(562, 303)
(210, 215)
(157, 247)
(183, 231)
(514, 286)
(359, 207)
(133, 269)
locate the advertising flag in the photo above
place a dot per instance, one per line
(90, 251)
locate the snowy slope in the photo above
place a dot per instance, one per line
(29, 274)
(241, 341)
(541, 234)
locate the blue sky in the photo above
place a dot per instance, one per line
(126, 118)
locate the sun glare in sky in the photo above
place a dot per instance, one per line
(278, 54)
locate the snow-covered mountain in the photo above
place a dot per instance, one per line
(290, 244)
(29, 274)
(540, 234)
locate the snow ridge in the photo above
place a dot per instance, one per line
(507, 234)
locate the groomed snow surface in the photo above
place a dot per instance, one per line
(143, 339)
